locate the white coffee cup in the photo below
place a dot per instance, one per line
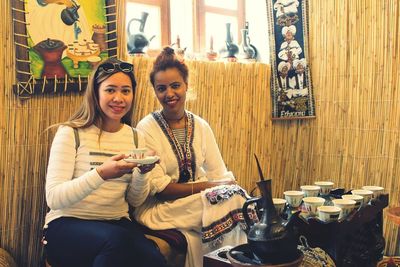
(328, 213)
(294, 197)
(310, 190)
(279, 204)
(358, 199)
(377, 190)
(326, 187)
(312, 203)
(366, 194)
(347, 206)
(138, 153)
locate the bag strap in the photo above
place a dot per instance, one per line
(135, 137)
(77, 141)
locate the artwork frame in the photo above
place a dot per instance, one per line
(291, 84)
(36, 72)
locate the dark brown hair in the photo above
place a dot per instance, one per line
(167, 59)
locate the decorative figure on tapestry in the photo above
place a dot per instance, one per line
(63, 40)
(290, 80)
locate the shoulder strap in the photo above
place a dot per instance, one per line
(135, 137)
(77, 141)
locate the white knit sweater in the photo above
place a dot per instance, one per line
(73, 186)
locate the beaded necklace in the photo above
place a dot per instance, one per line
(184, 153)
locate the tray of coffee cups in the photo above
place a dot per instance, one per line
(342, 222)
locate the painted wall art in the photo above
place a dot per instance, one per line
(58, 42)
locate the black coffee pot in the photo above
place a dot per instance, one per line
(272, 240)
(138, 41)
(230, 49)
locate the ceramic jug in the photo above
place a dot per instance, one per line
(247, 50)
(230, 49)
(138, 41)
(272, 240)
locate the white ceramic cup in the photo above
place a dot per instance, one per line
(138, 153)
(294, 197)
(312, 203)
(310, 190)
(326, 187)
(358, 199)
(328, 213)
(279, 204)
(347, 206)
(366, 194)
(377, 190)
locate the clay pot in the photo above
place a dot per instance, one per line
(51, 51)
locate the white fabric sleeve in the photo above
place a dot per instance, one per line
(62, 190)
(139, 188)
(158, 178)
(214, 165)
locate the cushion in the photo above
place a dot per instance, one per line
(172, 236)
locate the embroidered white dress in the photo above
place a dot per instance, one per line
(207, 222)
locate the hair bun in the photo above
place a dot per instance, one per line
(169, 51)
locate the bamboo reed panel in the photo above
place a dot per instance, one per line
(355, 54)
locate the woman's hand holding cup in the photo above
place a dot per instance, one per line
(115, 167)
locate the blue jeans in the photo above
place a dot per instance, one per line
(73, 242)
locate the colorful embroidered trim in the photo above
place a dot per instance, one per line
(221, 194)
(226, 224)
(184, 154)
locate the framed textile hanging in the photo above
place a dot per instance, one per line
(291, 87)
(58, 42)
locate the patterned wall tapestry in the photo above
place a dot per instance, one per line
(291, 85)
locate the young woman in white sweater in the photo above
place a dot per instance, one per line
(89, 184)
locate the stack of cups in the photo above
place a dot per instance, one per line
(293, 198)
(312, 203)
(328, 213)
(346, 205)
(358, 199)
(376, 190)
(366, 194)
(279, 204)
(310, 190)
(325, 186)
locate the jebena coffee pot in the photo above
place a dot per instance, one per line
(272, 240)
(137, 41)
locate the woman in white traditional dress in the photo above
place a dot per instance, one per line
(191, 189)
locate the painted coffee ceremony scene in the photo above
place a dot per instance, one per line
(200, 133)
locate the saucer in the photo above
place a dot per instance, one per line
(146, 160)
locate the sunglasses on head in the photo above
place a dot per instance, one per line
(111, 67)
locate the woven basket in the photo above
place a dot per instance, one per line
(314, 257)
(6, 260)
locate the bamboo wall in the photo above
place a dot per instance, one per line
(354, 54)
